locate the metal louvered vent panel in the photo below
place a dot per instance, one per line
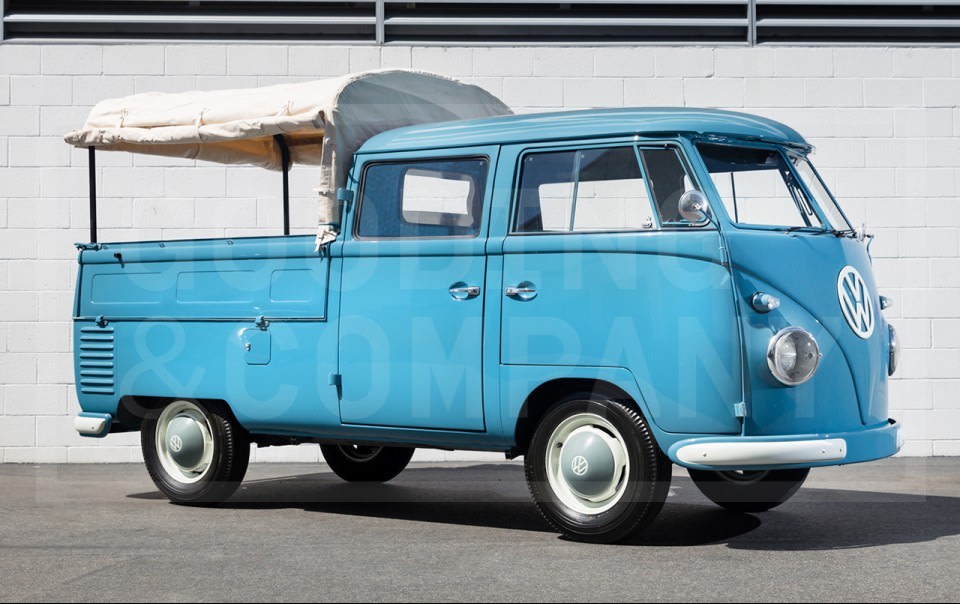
(611, 22)
(252, 20)
(858, 21)
(453, 22)
(97, 360)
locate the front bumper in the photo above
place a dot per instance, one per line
(794, 451)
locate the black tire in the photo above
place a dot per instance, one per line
(645, 480)
(226, 467)
(360, 463)
(750, 491)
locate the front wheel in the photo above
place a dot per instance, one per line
(749, 491)
(195, 452)
(361, 463)
(595, 471)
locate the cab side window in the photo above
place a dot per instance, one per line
(669, 180)
(582, 190)
(442, 198)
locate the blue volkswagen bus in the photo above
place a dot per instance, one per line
(603, 292)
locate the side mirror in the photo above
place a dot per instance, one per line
(861, 233)
(694, 208)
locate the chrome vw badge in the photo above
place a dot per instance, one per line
(176, 443)
(579, 465)
(855, 302)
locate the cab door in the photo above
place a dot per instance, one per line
(600, 270)
(414, 271)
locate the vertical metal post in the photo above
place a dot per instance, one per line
(752, 22)
(380, 13)
(285, 159)
(92, 155)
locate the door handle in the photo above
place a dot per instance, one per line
(523, 291)
(462, 291)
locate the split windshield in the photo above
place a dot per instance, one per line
(765, 187)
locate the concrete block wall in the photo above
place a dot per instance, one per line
(886, 123)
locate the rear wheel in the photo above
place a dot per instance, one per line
(749, 491)
(362, 463)
(595, 470)
(195, 452)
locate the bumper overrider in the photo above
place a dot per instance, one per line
(793, 451)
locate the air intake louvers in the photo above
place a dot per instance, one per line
(97, 362)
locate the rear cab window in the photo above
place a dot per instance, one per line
(422, 199)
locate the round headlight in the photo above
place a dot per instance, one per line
(792, 356)
(894, 350)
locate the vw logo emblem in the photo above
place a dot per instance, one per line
(176, 443)
(855, 302)
(579, 465)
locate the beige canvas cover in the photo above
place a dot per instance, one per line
(323, 122)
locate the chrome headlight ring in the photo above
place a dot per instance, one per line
(793, 356)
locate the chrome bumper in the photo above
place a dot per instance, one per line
(736, 454)
(96, 425)
(798, 450)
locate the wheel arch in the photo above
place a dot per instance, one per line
(132, 409)
(547, 394)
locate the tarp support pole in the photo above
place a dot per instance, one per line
(285, 158)
(92, 155)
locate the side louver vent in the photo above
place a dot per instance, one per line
(97, 360)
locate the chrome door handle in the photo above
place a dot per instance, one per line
(524, 291)
(463, 292)
(516, 291)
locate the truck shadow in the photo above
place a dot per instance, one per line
(496, 496)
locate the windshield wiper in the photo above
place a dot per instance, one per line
(815, 230)
(806, 229)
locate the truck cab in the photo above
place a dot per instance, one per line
(605, 293)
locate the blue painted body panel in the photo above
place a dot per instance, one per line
(802, 270)
(222, 278)
(633, 300)
(364, 342)
(583, 124)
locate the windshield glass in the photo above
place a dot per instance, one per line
(758, 187)
(820, 193)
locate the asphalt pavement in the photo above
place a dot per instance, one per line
(887, 530)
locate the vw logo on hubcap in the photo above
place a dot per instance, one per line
(579, 465)
(176, 443)
(856, 302)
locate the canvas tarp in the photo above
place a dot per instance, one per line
(323, 123)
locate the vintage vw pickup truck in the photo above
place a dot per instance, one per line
(605, 293)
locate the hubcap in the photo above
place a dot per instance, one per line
(359, 453)
(184, 441)
(587, 463)
(744, 477)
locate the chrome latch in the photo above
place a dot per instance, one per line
(261, 322)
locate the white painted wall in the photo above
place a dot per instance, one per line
(885, 123)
